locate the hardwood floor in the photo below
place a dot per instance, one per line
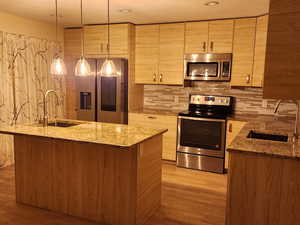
(188, 198)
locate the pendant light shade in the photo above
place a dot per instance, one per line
(82, 67)
(58, 66)
(108, 68)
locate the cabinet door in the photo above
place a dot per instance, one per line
(72, 51)
(171, 50)
(260, 51)
(119, 39)
(243, 52)
(72, 42)
(159, 121)
(95, 40)
(146, 54)
(220, 36)
(282, 68)
(233, 129)
(196, 37)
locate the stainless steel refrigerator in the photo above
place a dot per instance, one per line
(103, 99)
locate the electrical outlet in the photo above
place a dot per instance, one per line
(264, 103)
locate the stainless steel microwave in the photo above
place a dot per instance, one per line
(214, 67)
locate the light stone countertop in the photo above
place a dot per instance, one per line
(272, 148)
(90, 132)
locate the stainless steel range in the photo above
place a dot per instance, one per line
(201, 133)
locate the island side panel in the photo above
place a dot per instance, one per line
(149, 178)
(92, 181)
(262, 190)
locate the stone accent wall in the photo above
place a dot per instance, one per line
(248, 100)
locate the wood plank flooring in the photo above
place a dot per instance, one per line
(188, 198)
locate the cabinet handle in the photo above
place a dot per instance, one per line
(204, 46)
(154, 77)
(230, 128)
(101, 47)
(152, 117)
(248, 79)
(160, 78)
(211, 45)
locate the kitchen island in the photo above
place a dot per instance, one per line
(108, 173)
(264, 178)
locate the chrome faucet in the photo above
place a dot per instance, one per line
(296, 129)
(45, 118)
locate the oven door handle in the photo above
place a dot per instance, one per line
(202, 119)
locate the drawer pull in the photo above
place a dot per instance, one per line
(248, 79)
(151, 117)
(204, 46)
(212, 46)
(160, 78)
(154, 77)
(230, 128)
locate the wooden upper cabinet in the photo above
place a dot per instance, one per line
(72, 42)
(119, 39)
(282, 68)
(96, 39)
(196, 37)
(243, 52)
(284, 6)
(146, 54)
(260, 51)
(171, 51)
(220, 36)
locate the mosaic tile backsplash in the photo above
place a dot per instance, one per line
(247, 100)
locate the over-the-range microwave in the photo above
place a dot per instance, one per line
(205, 67)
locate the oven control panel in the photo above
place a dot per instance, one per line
(210, 100)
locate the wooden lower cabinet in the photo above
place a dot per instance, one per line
(233, 128)
(101, 183)
(262, 190)
(159, 121)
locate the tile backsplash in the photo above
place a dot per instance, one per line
(248, 100)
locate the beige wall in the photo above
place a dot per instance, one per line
(20, 25)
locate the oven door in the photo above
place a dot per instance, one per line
(201, 136)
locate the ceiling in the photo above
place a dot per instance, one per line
(142, 11)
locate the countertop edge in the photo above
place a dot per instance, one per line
(83, 141)
(263, 154)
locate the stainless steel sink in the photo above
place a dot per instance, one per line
(271, 137)
(62, 124)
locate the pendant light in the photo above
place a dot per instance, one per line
(58, 66)
(82, 67)
(108, 68)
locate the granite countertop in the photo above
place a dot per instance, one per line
(90, 132)
(281, 126)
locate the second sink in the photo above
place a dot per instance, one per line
(270, 137)
(62, 124)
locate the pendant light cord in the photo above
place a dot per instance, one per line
(56, 23)
(108, 30)
(82, 31)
